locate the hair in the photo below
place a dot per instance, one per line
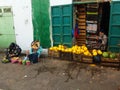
(12, 45)
(35, 43)
(102, 30)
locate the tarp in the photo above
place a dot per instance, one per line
(41, 21)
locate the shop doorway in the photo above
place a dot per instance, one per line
(105, 18)
(91, 18)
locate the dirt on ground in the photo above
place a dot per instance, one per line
(55, 74)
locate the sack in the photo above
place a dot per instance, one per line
(13, 51)
(97, 59)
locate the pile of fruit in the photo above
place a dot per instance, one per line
(58, 48)
(16, 60)
(96, 52)
(20, 61)
(84, 51)
(5, 60)
(109, 55)
(76, 50)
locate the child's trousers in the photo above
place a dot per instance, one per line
(33, 57)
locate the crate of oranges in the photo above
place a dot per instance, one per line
(66, 53)
(55, 51)
(87, 56)
(81, 52)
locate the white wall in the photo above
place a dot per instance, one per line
(60, 2)
(22, 21)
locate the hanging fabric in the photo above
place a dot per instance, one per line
(76, 31)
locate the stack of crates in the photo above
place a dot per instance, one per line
(81, 15)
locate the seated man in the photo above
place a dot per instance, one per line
(102, 40)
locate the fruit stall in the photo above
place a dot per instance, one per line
(83, 55)
(91, 16)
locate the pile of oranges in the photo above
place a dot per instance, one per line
(76, 50)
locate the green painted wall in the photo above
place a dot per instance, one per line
(41, 22)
